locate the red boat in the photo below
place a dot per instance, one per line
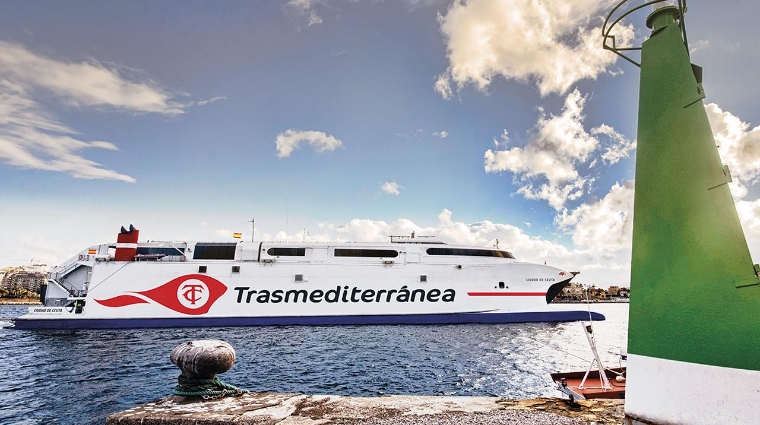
(597, 381)
(572, 384)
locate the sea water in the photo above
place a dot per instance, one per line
(80, 377)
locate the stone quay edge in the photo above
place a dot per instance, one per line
(300, 409)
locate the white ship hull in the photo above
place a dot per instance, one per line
(315, 287)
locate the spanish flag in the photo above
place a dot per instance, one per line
(92, 251)
(237, 235)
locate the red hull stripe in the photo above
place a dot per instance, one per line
(507, 294)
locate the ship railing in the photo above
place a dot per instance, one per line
(67, 268)
(71, 289)
(619, 12)
(58, 275)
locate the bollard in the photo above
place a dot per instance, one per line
(200, 362)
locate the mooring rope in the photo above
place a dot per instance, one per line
(206, 388)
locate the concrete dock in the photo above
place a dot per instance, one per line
(300, 409)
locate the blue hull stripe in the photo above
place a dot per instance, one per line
(404, 319)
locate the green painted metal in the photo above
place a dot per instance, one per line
(695, 293)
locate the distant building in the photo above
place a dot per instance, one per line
(573, 291)
(618, 292)
(595, 293)
(579, 292)
(24, 277)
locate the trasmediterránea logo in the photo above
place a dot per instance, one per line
(189, 294)
(344, 294)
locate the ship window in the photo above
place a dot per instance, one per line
(299, 278)
(201, 269)
(470, 252)
(214, 251)
(287, 252)
(235, 269)
(155, 250)
(423, 278)
(376, 253)
(501, 285)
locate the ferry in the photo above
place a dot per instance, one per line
(408, 280)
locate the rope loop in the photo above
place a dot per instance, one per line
(206, 388)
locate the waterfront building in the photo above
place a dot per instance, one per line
(29, 277)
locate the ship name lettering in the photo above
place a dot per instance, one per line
(343, 294)
(48, 310)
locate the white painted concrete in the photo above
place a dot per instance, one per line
(670, 392)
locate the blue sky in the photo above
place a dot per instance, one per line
(345, 120)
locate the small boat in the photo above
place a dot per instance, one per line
(597, 381)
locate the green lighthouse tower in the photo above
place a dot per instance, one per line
(694, 329)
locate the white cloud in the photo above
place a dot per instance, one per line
(104, 145)
(364, 229)
(618, 148)
(605, 224)
(553, 43)
(749, 214)
(391, 188)
(443, 86)
(442, 134)
(87, 83)
(739, 148)
(699, 45)
(223, 233)
(303, 4)
(556, 195)
(547, 167)
(306, 9)
(212, 100)
(560, 143)
(288, 141)
(738, 145)
(314, 19)
(31, 137)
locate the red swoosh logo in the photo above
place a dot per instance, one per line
(121, 301)
(178, 294)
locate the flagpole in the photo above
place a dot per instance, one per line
(253, 228)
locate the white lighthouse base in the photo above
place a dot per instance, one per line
(660, 391)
